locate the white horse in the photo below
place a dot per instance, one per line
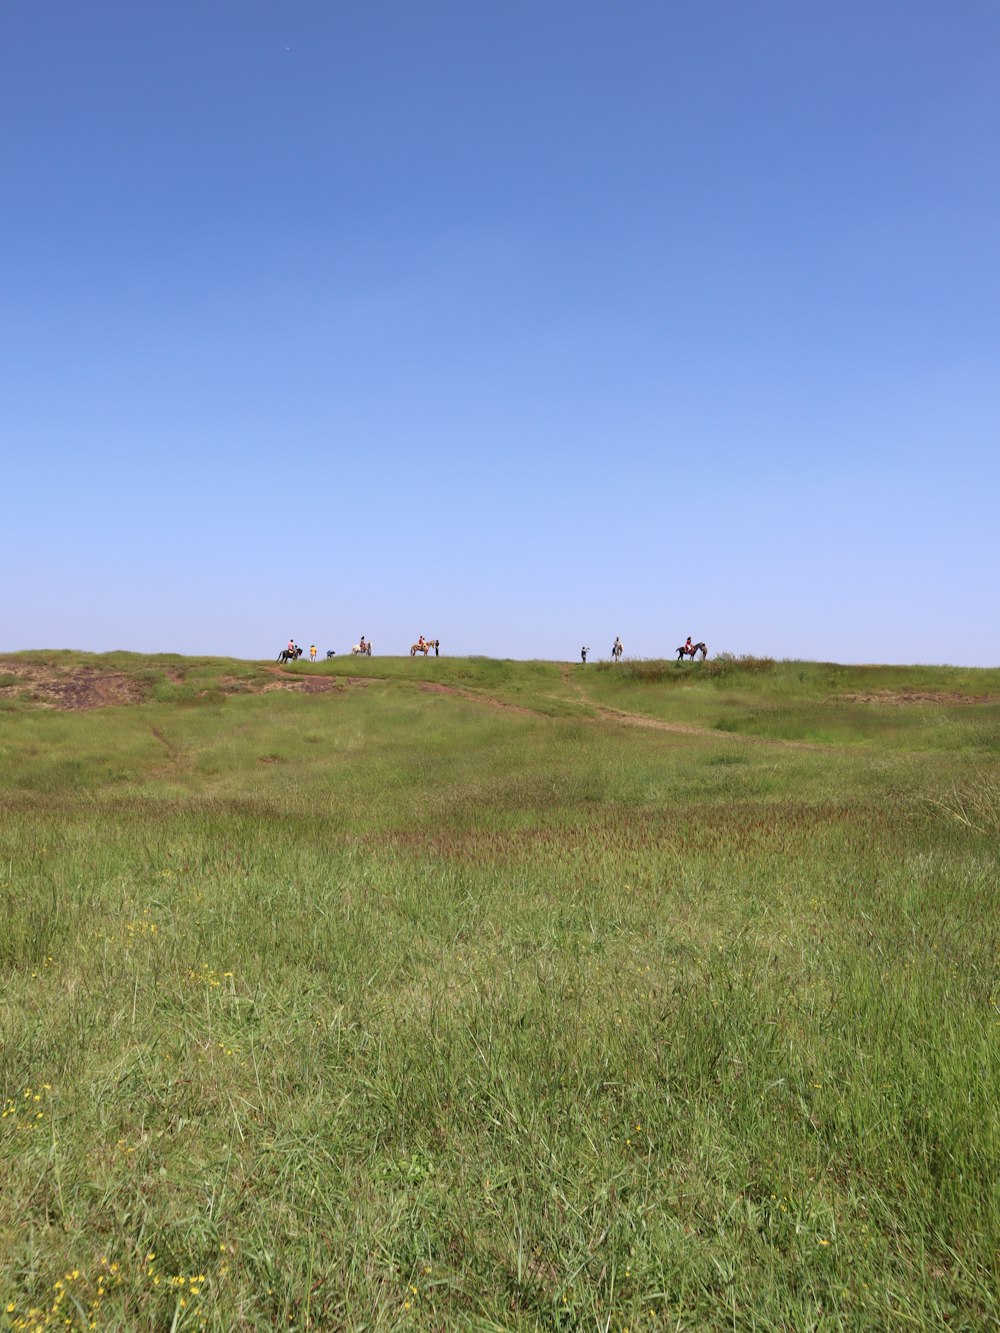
(364, 648)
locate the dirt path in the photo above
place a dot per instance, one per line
(634, 719)
(603, 714)
(488, 701)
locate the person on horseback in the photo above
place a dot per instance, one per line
(689, 647)
(291, 645)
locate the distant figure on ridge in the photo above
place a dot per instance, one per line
(312, 653)
(617, 649)
(690, 649)
(583, 655)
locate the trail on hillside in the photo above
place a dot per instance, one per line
(598, 713)
(603, 714)
(487, 700)
(83, 687)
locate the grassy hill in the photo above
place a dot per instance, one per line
(470, 993)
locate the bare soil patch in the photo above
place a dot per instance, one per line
(296, 685)
(75, 688)
(69, 688)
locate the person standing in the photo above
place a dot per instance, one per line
(312, 653)
(583, 655)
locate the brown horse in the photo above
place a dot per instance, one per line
(424, 647)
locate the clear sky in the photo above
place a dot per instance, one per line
(517, 323)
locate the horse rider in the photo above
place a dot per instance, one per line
(422, 642)
(689, 647)
(616, 647)
(362, 645)
(291, 645)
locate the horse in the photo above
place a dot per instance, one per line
(617, 650)
(364, 648)
(424, 647)
(684, 651)
(286, 656)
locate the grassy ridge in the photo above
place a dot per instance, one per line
(393, 1007)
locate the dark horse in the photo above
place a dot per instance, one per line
(685, 651)
(286, 656)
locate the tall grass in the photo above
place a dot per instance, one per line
(387, 1007)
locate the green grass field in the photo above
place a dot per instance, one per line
(498, 995)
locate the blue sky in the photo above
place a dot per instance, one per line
(517, 324)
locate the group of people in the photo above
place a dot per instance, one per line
(689, 650)
(363, 646)
(616, 651)
(425, 645)
(293, 650)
